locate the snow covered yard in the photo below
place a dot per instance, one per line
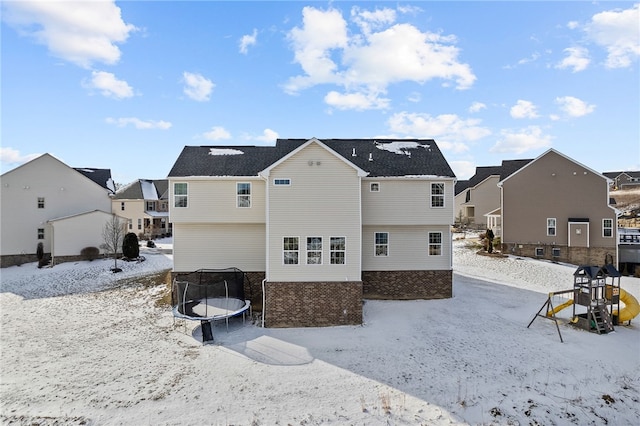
(80, 347)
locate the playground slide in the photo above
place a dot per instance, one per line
(631, 307)
(560, 307)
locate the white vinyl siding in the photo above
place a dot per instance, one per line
(215, 201)
(405, 202)
(323, 202)
(197, 246)
(408, 248)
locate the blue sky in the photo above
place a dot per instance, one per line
(126, 85)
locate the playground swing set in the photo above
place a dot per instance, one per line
(596, 301)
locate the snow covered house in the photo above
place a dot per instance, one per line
(37, 194)
(318, 225)
(144, 203)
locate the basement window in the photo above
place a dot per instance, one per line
(539, 251)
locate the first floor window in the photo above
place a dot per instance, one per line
(243, 192)
(41, 233)
(314, 250)
(607, 227)
(41, 202)
(139, 223)
(290, 250)
(382, 244)
(338, 250)
(551, 226)
(437, 195)
(435, 243)
(122, 205)
(180, 194)
(130, 224)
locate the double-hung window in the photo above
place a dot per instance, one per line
(435, 243)
(437, 194)
(551, 226)
(290, 250)
(382, 244)
(607, 228)
(314, 250)
(180, 194)
(243, 192)
(41, 202)
(41, 233)
(338, 250)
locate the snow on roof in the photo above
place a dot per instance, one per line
(224, 151)
(148, 190)
(400, 147)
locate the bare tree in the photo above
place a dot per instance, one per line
(112, 234)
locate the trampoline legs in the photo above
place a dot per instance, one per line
(207, 332)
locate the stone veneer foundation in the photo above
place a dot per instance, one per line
(595, 256)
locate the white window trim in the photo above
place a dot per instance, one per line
(555, 227)
(607, 227)
(43, 205)
(541, 249)
(281, 182)
(371, 184)
(186, 196)
(285, 251)
(375, 244)
(432, 195)
(331, 251)
(307, 250)
(243, 195)
(429, 244)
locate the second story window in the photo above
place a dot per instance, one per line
(437, 194)
(151, 205)
(243, 192)
(607, 228)
(41, 233)
(41, 202)
(551, 226)
(122, 205)
(382, 244)
(130, 222)
(180, 194)
(374, 187)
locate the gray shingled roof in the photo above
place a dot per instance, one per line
(507, 168)
(133, 191)
(100, 176)
(424, 159)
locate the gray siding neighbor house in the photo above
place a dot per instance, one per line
(317, 225)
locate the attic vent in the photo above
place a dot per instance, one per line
(370, 156)
(353, 153)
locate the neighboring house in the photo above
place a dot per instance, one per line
(36, 194)
(318, 224)
(477, 201)
(558, 209)
(144, 203)
(624, 180)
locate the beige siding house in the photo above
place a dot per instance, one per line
(317, 225)
(557, 208)
(41, 191)
(144, 203)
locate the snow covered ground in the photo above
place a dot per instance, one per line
(79, 347)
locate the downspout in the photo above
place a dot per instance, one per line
(266, 267)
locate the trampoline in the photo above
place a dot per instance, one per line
(209, 295)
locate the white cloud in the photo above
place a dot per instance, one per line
(217, 133)
(477, 107)
(521, 141)
(618, 32)
(367, 62)
(356, 101)
(197, 87)
(9, 155)
(108, 85)
(82, 32)
(248, 40)
(523, 109)
(577, 59)
(572, 25)
(452, 132)
(574, 107)
(463, 169)
(139, 124)
(267, 135)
